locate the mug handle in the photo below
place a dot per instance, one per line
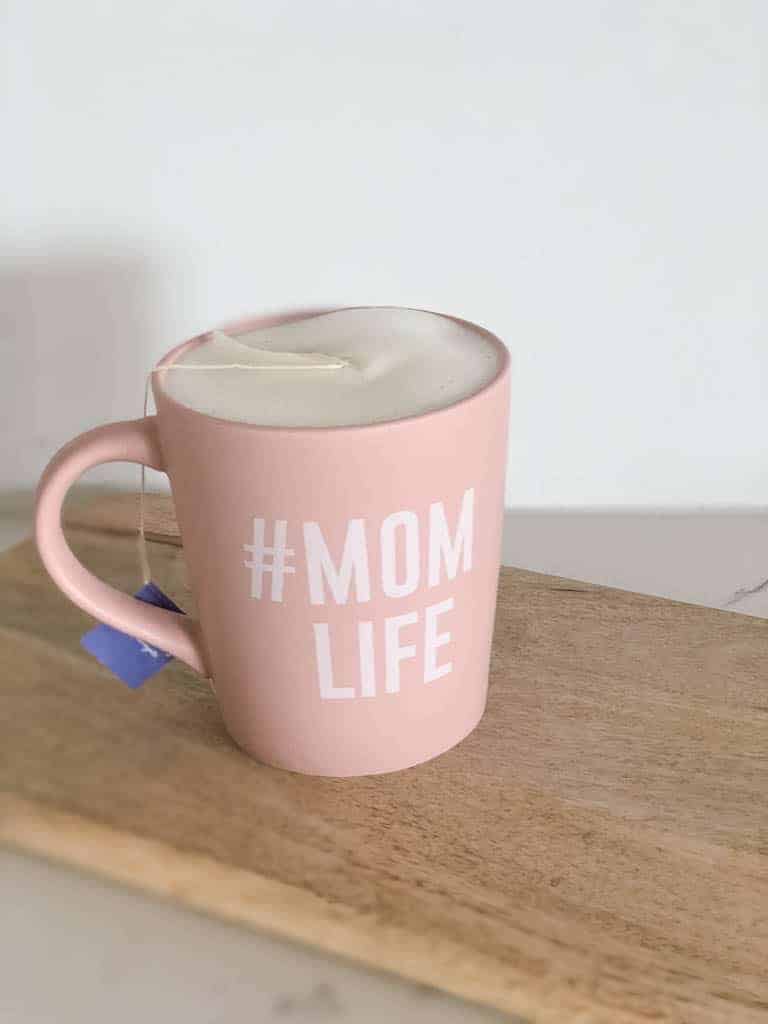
(130, 441)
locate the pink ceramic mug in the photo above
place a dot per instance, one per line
(345, 576)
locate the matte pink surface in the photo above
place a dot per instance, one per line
(259, 653)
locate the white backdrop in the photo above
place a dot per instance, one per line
(587, 179)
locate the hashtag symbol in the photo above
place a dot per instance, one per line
(278, 553)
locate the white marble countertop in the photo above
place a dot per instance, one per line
(77, 950)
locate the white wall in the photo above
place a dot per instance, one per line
(585, 178)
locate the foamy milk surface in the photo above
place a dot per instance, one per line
(395, 363)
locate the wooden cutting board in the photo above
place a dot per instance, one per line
(597, 851)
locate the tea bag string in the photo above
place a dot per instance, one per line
(336, 363)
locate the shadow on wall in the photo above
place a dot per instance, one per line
(79, 328)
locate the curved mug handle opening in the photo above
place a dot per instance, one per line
(130, 441)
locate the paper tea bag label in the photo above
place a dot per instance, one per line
(131, 660)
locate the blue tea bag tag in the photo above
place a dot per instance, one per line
(130, 659)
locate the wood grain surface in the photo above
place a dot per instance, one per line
(597, 851)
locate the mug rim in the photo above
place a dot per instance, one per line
(291, 315)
